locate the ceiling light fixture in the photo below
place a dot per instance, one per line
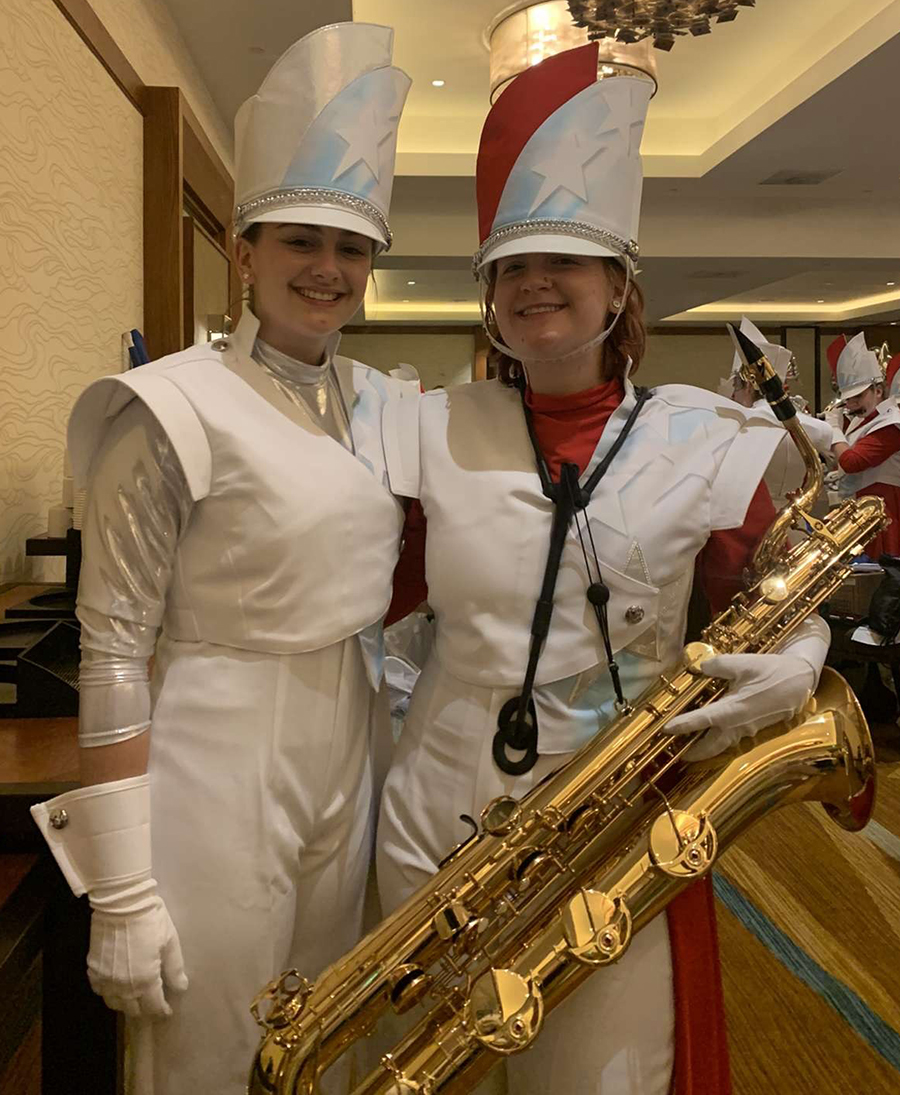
(821, 301)
(410, 283)
(524, 34)
(437, 83)
(891, 283)
(628, 21)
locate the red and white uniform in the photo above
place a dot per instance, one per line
(872, 466)
(683, 493)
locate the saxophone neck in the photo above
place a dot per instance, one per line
(757, 370)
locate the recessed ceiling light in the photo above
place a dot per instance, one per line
(437, 83)
(892, 283)
(406, 300)
(410, 283)
(822, 301)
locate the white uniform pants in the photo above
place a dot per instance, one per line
(615, 1035)
(262, 826)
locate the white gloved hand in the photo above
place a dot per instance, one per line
(100, 837)
(764, 689)
(835, 418)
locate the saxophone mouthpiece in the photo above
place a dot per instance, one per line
(748, 351)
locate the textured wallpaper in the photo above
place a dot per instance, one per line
(146, 33)
(70, 254)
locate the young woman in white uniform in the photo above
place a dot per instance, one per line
(558, 186)
(239, 512)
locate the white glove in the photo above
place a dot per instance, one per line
(835, 418)
(764, 689)
(100, 837)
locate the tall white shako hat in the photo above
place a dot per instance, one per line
(780, 357)
(316, 144)
(559, 164)
(857, 368)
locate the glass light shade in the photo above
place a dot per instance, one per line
(527, 34)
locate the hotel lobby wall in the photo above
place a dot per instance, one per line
(71, 232)
(440, 359)
(70, 250)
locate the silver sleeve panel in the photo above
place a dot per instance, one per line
(138, 505)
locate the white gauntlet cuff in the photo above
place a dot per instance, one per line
(99, 835)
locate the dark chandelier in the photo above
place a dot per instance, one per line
(633, 20)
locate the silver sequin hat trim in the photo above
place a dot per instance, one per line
(577, 229)
(311, 196)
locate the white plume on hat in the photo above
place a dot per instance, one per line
(857, 368)
(779, 356)
(317, 143)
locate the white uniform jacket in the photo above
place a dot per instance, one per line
(267, 483)
(888, 414)
(690, 465)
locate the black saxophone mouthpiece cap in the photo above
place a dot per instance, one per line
(749, 352)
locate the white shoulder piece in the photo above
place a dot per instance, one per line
(742, 470)
(400, 434)
(105, 398)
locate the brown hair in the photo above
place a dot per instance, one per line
(627, 340)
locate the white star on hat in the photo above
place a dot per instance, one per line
(364, 137)
(564, 167)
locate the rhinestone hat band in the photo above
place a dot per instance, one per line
(578, 229)
(311, 195)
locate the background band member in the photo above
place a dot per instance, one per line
(239, 509)
(870, 457)
(786, 469)
(667, 480)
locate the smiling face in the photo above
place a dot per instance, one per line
(308, 280)
(547, 305)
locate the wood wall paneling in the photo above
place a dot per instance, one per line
(163, 204)
(101, 43)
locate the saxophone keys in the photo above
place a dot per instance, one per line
(505, 1011)
(286, 996)
(683, 845)
(597, 928)
(409, 986)
(695, 654)
(774, 589)
(500, 816)
(450, 920)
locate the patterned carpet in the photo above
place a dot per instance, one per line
(809, 918)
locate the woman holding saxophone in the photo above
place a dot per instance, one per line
(566, 511)
(224, 828)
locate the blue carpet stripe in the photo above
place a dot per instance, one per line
(852, 1008)
(882, 838)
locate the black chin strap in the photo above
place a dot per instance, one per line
(517, 721)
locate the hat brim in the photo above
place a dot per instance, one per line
(324, 216)
(547, 244)
(858, 389)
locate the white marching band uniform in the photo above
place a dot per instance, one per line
(239, 506)
(691, 465)
(857, 369)
(786, 469)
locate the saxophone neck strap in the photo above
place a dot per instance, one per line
(517, 721)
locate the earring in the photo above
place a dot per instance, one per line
(245, 276)
(617, 305)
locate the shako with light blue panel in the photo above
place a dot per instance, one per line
(317, 143)
(560, 156)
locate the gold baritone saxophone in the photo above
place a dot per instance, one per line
(552, 888)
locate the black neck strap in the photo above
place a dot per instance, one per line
(517, 721)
